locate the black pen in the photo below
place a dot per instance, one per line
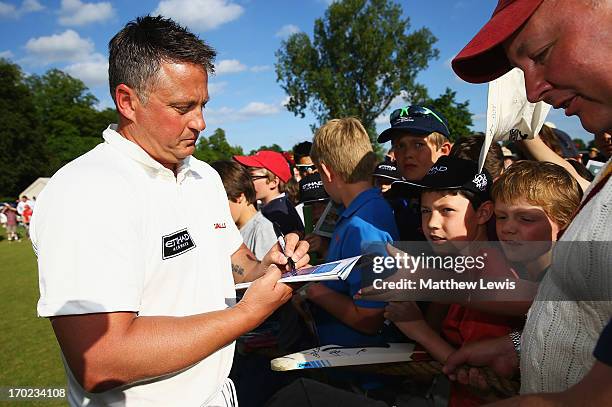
(281, 242)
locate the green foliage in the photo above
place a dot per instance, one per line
(457, 114)
(361, 57)
(215, 148)
(46, 122)
(273, 147)
(22, 147)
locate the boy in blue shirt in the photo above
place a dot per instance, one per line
(345, 160)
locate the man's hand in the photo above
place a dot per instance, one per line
(265, 295)
(498, 354)
(402, 274)
(295, 249)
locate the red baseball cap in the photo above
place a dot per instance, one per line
(483, 59)
(271, 160)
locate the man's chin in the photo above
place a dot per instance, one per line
(595, 123)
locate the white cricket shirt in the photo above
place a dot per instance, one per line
(142, 240)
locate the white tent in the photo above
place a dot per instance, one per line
(35, 187)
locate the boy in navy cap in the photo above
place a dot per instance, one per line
(419, 136)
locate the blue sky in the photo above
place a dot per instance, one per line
(246, 101)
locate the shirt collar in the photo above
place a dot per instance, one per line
(360, 200)
(136, 153)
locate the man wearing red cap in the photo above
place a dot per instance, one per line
(270, 172)
(563, 48)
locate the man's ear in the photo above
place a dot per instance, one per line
(326, 172)
(484, 212)
(127, 101)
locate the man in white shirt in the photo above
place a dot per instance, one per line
(145, 313)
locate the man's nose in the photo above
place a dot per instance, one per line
(197, 122)
(535, 85)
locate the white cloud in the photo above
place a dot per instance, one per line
(200, 15)
(258, 109)
(27, 6)
(479, 116)
(93, 72)
(67, 46)
(260, 68)
(229, 66)
(76, 13)
(250, 111)
(6, 54)
(287, 30)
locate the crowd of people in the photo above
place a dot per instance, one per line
(148, 315)
(15, 214)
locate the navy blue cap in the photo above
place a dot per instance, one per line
(568, 148)
(387, 169)
(454, 173)
(417, 120)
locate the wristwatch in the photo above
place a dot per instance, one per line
(515, 337)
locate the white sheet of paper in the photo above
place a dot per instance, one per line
(510, 116)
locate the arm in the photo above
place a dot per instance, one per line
(246, 267)
(541, 152)
(366, 320)
(107, 350)
(593, 390)
(408, 318)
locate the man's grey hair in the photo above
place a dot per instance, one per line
(138, 50)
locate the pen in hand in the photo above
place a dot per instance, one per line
(281, 242)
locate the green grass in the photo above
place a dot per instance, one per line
(29, 354)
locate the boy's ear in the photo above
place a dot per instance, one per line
(484, 212)
(445, 149)
(326, 172)
(241, 199)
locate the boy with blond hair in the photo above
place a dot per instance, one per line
(345, 160)
(534, 201)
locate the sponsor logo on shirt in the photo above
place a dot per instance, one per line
(176, 244)
(220, 225)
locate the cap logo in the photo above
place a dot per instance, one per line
(387, 167)
(480, 180)
(312, 185)
(436, 169)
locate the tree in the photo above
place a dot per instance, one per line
(457, 114)
(215, 148)
(72, 124)
(22, 150)
(273, 147)
(360, 59)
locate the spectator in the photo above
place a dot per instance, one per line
(385, 174)
(469, 148)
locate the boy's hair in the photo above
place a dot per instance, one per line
(542, 184)
(438, 139)
(344, 145)
(137, 52)
(236, 180)
(301, 150)
(469, 149)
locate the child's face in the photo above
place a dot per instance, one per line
(415, 155)
(449, 221)
(519, 225)
(263, 187)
